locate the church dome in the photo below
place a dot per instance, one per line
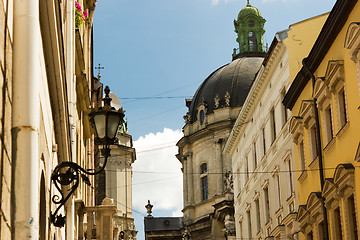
(227, 86)
(248, 10)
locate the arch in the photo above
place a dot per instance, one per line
(344, 176)
(252, 41)
(352, 34)
(203, 168)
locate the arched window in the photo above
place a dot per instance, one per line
(252, 42)
(202, 117)
(251, 23)
(204, 182)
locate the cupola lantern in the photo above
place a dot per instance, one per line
(249, 27)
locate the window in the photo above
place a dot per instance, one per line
(309, 236)
(249, 223)
(290, 177)
(254, 155)
(337, 224)
(204, 182)
(313, 142)
(246, 169)
(283, 109)
(252, 42)
(241, 230)
(352, 217)
(328, 124)
(258, 220)
(203, 168)
(251, 23)
(263, 140)
(322, 233)
(277, 190)
(302, 156)
(202, 117)
(272, 125)
(267, 204)
(342, 108)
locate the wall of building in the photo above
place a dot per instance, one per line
(339, 72)
(261, 159)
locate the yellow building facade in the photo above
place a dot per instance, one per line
(324, 98)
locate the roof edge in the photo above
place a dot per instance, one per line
(333, 25)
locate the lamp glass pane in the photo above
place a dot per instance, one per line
(113, 124)
(100, 120)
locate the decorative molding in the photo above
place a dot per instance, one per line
(334, 74)
(352, 40)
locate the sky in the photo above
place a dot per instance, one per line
(156, 53)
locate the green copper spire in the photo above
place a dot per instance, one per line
(249, 27)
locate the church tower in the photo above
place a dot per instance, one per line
(212, 111)
(249, 27)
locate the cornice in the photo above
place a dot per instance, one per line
(206, 131)
(333, 25)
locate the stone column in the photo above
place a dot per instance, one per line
(219, 168)
(105, 220)
(90, 225)
(81, 226)
(190, 178)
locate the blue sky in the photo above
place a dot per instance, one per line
(165, 49)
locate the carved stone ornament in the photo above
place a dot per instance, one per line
(217, 101)
(187, 117)
(229, 223)
(149, 209)
(228, 182)
(185, 234)
(227, 99)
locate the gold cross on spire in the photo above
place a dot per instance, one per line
(99, 68)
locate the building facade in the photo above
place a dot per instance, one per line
(48, 91)
(325, 130)
(261, 147)
(208, 186)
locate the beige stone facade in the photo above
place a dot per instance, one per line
(261, 145)
(261, 149)
(47, 91)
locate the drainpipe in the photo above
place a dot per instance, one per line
(319, 146)
(70, 76)
(25, 121)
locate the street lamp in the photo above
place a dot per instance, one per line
(106, 122)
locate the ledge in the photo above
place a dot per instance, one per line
(302, 176)
(343, 129)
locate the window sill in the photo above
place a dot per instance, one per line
(290, 198)
(302, 176)
(314, 164)
(342, 130)
(259, 234)
(329, 145)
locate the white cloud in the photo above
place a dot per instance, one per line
(157, 172)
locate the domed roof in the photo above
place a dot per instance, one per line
(248, 10)
(234, 78)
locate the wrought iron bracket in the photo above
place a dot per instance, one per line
(67, 175)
